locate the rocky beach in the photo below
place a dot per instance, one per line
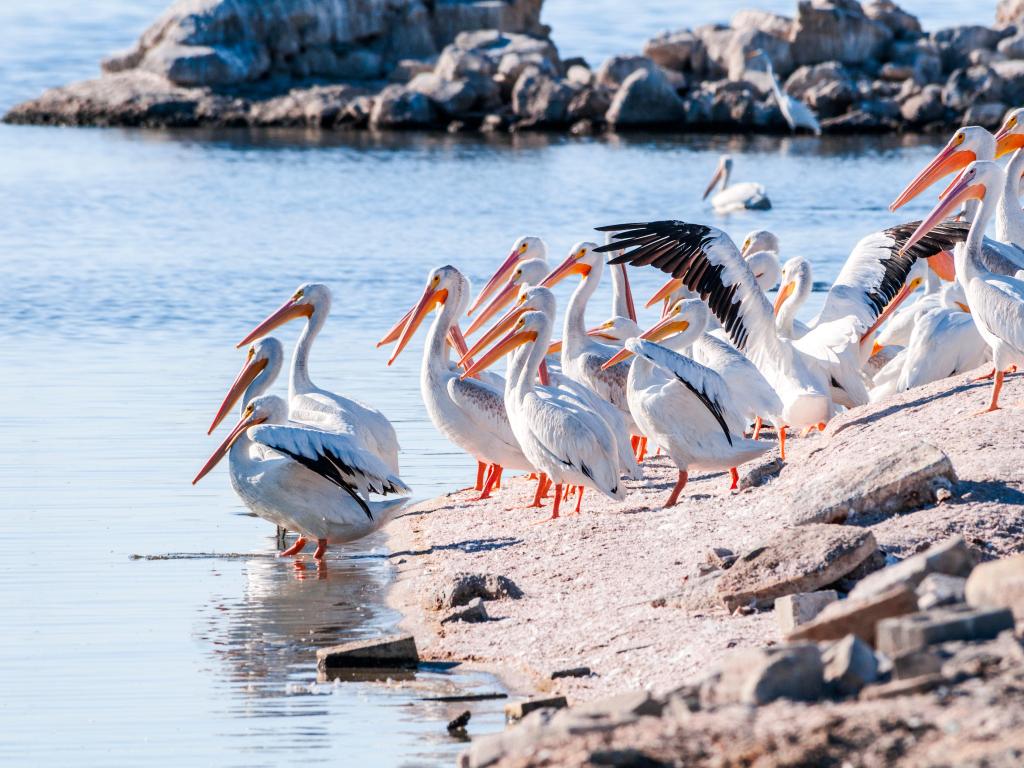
(859, 604)
(491, 65)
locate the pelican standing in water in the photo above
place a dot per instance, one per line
(310, 481)
(744, 195)
(308, 403)
(569, 444)
(469, 413)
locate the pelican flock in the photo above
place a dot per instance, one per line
(726, 355)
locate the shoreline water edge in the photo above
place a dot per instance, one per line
(493, 66)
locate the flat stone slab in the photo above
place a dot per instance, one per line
(901, 479)
(922, 684)
(951, 557)
(630, 703)
(762, 675)
(793, 610)
(395, 651)
(517, 710)
(917, 630)
(998, 584)
(858, 617)
(802, 559)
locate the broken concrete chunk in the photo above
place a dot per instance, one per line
(396, 651)
(630, 703)
(923, 661)
(460, 588)
(850, 664)
(858, 617)
(761, 675)
(921, 684)
(938, 589)
(758, 472)
(793, 610)
(951, 557)
(905, 477)
(795, 560)
(472, 613)
(517, 710)
(917, 630)
(570, 672)
(998, 584)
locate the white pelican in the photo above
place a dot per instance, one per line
(469, 413)
(794, 112)
(569, 444)
(526, 247)
(539, 299)
(308, 403)
(310, 481)
(996, 301)
(262, 364)
(684, 406)
(526, 273)
(737, 197)
(758, 240)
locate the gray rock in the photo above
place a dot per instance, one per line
(849, 665)
(758, 472)
(473, 612)
(579, 75)
(1009, 13)
(712, 58)
(698, 595)
(802, 559)
(1012, 47)
(917, 630)
(451, 97)
(966, 86)
(517, 710)
(395, 651)
(540, 100)
(898, 688)
(645, 99)
(905, 477)
(924, 107)
(614, 71)
(1011, 73)
(899, 22)
(589, 104)
(681, 50)
(921, 661)
(763, 21)
(826, 88)
(793, 610)
(837, 30)
(460, 588)
(406, 69)
(951, 557)
(857, 616)
(556, 674)
(998, 584)
(398, 107)
(630, 703)
(938, 589)
(451, 18)
(761, 675)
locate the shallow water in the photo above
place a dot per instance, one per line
(130, 262)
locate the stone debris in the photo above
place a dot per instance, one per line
(461, 588)
(793, 610)
(457, 726)
(802, 559)
(394, 651)
(517, 710)
(938, 589)
(998, 584)
(758, 472)
(762, 675)
(903, 478)
(951, 557)
(473, 612)
(627, 704)
(896, 688)
(570, 672)
(917, 630)
(857, 616)
(850, 664)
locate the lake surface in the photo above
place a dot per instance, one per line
(130, 264)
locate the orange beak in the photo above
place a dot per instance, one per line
(667, 326)
(506, 266)
(493, 332)
(396, 330)
(963, 307)
(784, 293)
(714, 180)
(514, 339)
(1007, 142)
(907, 289)
(876, 348)
(600, 332)
(244, 423)
(671, 285)
(555, 347)
(246, 376)
(571, 266)
(290, 310)
(942, 265)
(431, 298)
(498, 303)
(630, 306)
(957, 193)
(948, 160)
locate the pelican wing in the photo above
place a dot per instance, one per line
(1002, 308)
(335, 457)
(746, 384)
(710, 265)
(875, 270)
(485, 405)
(706, 385)
(944, 342)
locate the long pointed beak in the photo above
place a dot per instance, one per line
(954, 196)
(1007, 142)
(222, 449)
(396, 330)
(784, 293)
(571, 266)
(963, 307)
(671, 285)
(430, 299)
(714, 180)
(667, 326)
(555, 347)
(506, 266)
(498, 303)
(600, 332)
(283, 314)
(948, 160)
(252, 368)
(942, 264)
(630, 306)
(513, 340)
(908, 288)
(493, 332)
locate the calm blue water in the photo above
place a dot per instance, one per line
(130, 263)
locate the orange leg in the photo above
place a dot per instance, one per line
(634, 441)
(558, 502)
(996, 386)
(782, 441)
(492, 478)
(481, 467)
(497, 483)
(641, 450)
(294, 549)
(735, 478)
(757, 427)
(321, 549)
(990, 374)
(579, 500)
(542, 485)
(680, 484)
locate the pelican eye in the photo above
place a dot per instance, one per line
(252, 351)
(249, 409)
(297, 295)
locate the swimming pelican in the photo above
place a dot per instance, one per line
(469, 413)
(526, 247)
(996, 302)
(684, 406)
(308, 403)
(794, 112)
(569, 444)
(314, 482)
(737, 197)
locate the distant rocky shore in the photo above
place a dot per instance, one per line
(490, 65)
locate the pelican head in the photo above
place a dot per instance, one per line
(530, 299)
(616, 329)
(526, 247)
(766, 269)
(973, 183)
(1010, 135)
(954, 297)
(796, 279)
(444, 284)
(721, 174)
(264, 409)
(759, 240)
(528, 272)
(689, 316)
(309, 298)
(970, 143)
(582, 259)
(527, 329)
(263, 362)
